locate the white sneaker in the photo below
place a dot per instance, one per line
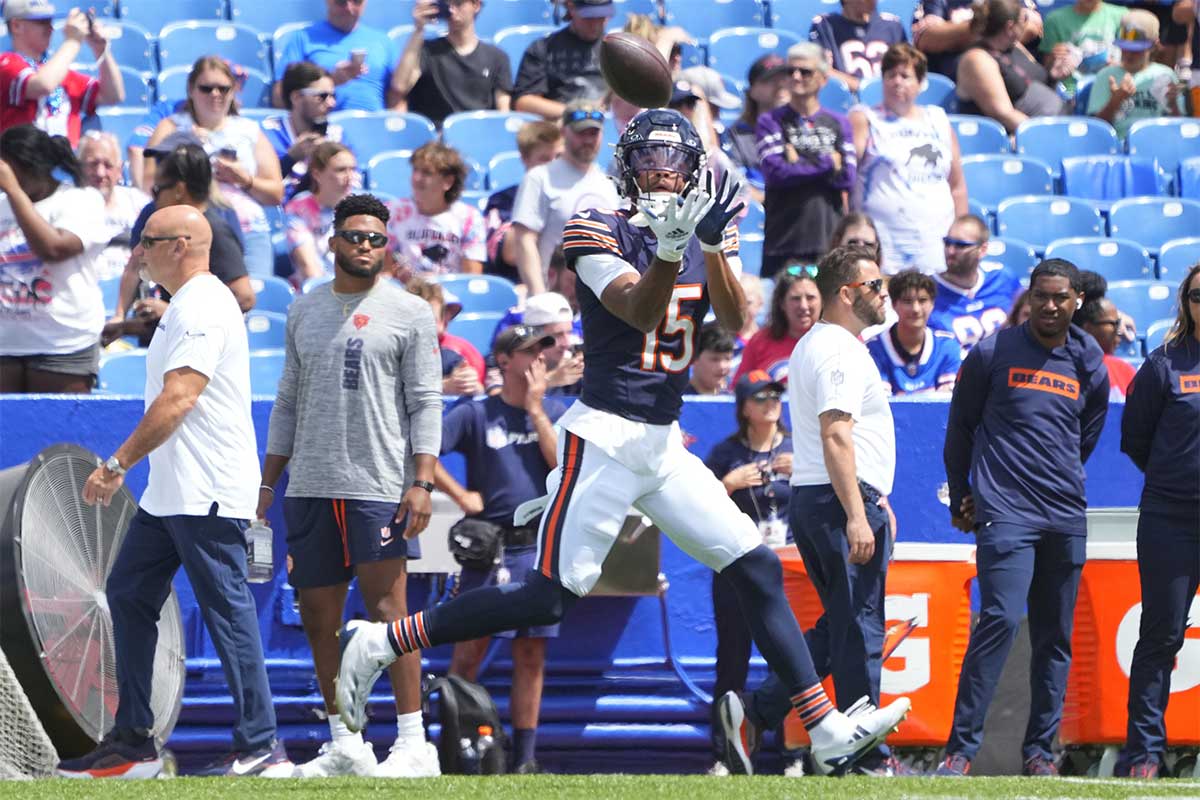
(340, 757)
(841, 739)
(718, 770)
(366, 652)
(794, 769)
(420, 761)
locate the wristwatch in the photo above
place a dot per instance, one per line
(114, 466)
(426, 485)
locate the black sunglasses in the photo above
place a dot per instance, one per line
(765, 397)
(149, 241)
(803, 72)
(875, 285)
(950, 241)
(317, 93)
(1193, 295)
(358, 237)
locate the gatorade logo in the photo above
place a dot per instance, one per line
(1186, 675)
(1189, 384)
(913, 653)
(1042, 381)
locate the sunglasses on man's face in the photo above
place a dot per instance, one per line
(962, 244)
(875, 286)
(376, 240)
(801, 72)
(319, 94)
(582, 115)
(149, 241)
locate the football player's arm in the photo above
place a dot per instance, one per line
(641, 302)
(725, 292)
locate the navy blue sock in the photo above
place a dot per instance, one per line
(524, 743)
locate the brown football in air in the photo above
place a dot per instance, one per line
(635, 70)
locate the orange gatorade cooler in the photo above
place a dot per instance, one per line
(928, 596)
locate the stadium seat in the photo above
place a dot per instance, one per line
(110, 290)
(979, 135)
(483, 134)
(401, 33)
(481, 293)
(504, 170)
(369, 133)
(703, 18)
(154, 14)
(977, 208)
(939, 91)
(1177, 256)
(732, 50)
(514, 40)
(1146, 301)
(499, 14)
(256, 91)
(1188, 179)
(1154, 220)
(1054, 138)
(267, 17)
(1156, 332)
(753, 223)
(314, 282)
(266, 329)
(609, 135)
(181, 43)
(386, 15)
(475, 197)
(120, 121)
(132, 46)
(139, 87)
(1168, 140)
(284, 34)
(1115, 259)
(649, 8)
(258, 114)
(1013, 255)
(992, 178)
(797, 15)
(1040, 219)
(750, 250)
(835, 94)
(476, 328)
(123, 373)
(476, 180)
(272, 294)
(1103, 179)
(391, 171)
(266, 368)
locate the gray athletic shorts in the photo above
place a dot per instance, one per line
(82, 362)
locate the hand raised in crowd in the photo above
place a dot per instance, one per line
(568, 372)
(782, 464)
(537, 383)
(303, 146)
(861, 539)
(424, 12)
(471, 503)
(1124, 90)
(744, 477)
(76, 27)
(964, 520)
(96, 38)
(462, 380)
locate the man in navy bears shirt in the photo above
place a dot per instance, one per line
(910, 356)
(856, 39)
(647, 275)
(1027, 411)
(972, 301)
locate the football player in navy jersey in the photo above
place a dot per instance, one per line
(646, 277)
(856, 39)
(971, 301)
(910, 356)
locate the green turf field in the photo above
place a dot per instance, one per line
(603, 787)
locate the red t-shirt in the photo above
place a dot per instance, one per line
(768, 354)
(1120, 373)
(467, 350)
(58, 113)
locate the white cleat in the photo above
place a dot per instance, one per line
(365, 654)
(419, 761)
(855, 734)
(340, 757)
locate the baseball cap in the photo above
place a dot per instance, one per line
(766, 66)
(579, 115)
(451, 305)
(28, 9)
(682, 91)
(171, 142)
(754, 382)
(592, 9)
(546, 308)
(520, 337)
(709, 81)
(1138, 31)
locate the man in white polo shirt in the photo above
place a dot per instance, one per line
(201, 494)
(844, 461)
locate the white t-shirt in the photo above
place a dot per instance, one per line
(831, 369)
(127, 203)
(550, 194)
(52, 309)
(213, 455)
(438, 244)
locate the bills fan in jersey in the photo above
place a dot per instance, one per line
(635, 70)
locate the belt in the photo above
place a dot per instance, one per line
(522, 536)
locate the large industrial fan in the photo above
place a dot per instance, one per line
(55, 628)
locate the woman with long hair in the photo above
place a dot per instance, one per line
(244, 162)
(332, 169)
(51, 308)
(795, 307)
(1160, 432)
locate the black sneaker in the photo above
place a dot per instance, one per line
(741, 735)
(270, 761)
(116, 756)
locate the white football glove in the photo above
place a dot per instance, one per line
(675, 226)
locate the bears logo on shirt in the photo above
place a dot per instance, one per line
(1043, 381)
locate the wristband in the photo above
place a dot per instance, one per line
(712, 248)
(270, 489)
(426, 485)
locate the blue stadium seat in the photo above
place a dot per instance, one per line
(499, 14)
(504, 170)
(181, 43)
(369, 133)
(1054, 138)
(386, 15)
(703, 18)
(258, 114)
(483, 134)
(732, 50)
(120, 121)
(1115, 259)
(939, 91)
(476, 328)
(978, 209)
(979, 135)
(481, 293)
(514, 40)
(1169, 140)
(1154, 220)
(131, 45)
(1156, 332)
(266, 368)
(1188, 180)
(282, 35)
(1103, 179)
(750, 250)
(835, 94)
(608, 141)
(797, 15)
(391, 171)
(267, 17)
(476, 180)
(753, 223)
(110, 290)
(314, 282)
(401, 33)
(124, 373)
(139, 87)
(1145, 301)
(1177, 256)
(1040, 219)
(272, 294)
(1013, 255)
(648, 8)
(992, 178)
(154, 14)
(266, 329)
(1129, 349)
(475, 197)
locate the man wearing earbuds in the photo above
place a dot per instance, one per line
(1027, 411)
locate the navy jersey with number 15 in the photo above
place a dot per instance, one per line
(635, 375)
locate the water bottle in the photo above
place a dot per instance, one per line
(468, 757)
(483, 748)
(261, 561)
